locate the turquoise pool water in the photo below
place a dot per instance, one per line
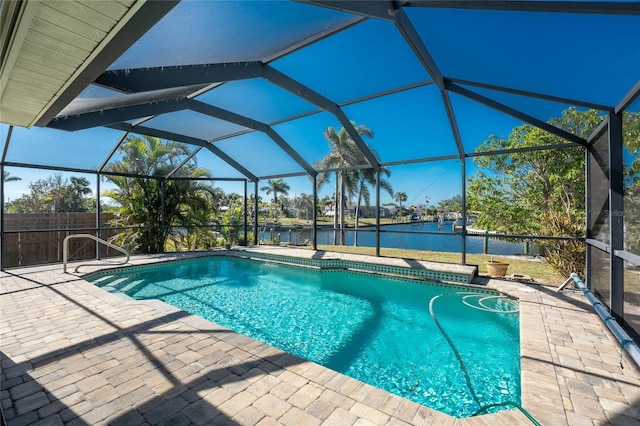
(378, 330)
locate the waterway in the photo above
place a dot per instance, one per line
(407, 236)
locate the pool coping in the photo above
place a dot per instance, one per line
(327, 261)
(551, 366)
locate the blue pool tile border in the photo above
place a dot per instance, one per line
(327, 264)
(323, 265)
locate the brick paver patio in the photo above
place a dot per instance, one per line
(75, 354)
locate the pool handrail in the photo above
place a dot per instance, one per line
(65, 251)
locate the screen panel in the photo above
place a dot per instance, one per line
(516, 49)
(370, 57)
(632, 296)
(84, 149)
(202, 32)
(600, 279)
(576, 120)
(477, 123)
(259, 154)
(193, 124)
(599, 226)
(407, 125)
(306, 135)
(631, 158)
(148, 156)
(257, 99)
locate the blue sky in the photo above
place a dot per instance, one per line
(558, 54)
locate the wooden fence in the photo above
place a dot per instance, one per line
(31, 239)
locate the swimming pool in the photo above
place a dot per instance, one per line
(450, 348)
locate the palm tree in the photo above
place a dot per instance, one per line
(400, 197)
(156, 205)
(277, 186)
(344, 154)
(304, 204)
(7, 178)
(364, 178)
(231, 199)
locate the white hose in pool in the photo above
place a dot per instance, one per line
(481, 306)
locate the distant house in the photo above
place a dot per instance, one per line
(393, 210)
(367, 211)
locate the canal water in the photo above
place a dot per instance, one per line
(406, 236)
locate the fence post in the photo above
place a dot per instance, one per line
(485, 245)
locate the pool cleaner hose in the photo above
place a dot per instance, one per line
(463, 367)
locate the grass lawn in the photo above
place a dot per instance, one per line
(540, 271)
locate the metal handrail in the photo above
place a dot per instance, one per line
(65, 250)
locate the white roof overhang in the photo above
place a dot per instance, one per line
(51, 50)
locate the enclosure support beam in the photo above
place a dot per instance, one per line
(1, 215)
(413, 39)
(515, 113)
(464, 211)
(315, 212)
(3, 158)
(250, 123)
(530, 94)
(159, 78)
(256, 207)
(295, 87)
(246, 223)
(98, 223)
(378, 177)
(184, 139)
(588, 200)
(162, 182)
(616, 211)
(587, 7)
(113, 151)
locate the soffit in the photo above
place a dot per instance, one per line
(52, 49)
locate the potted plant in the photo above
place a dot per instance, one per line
(496, 268)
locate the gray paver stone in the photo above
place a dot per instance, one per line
(296, 417)
(248, 416)
(164, 409)
(50, 420)
(235, 404)
(368, 413)
(340, 417)
(31, 402)
(321, 409)
(200, 412)
(176, 420)
(305, 396)
(272, 406)
(129, 418)
(25, 389)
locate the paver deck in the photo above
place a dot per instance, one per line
(74, 354)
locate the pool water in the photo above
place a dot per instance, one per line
(376, 329)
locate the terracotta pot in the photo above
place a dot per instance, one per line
(496, 268)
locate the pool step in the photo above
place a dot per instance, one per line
(128, 286)
(102, 280)
(113, 281)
